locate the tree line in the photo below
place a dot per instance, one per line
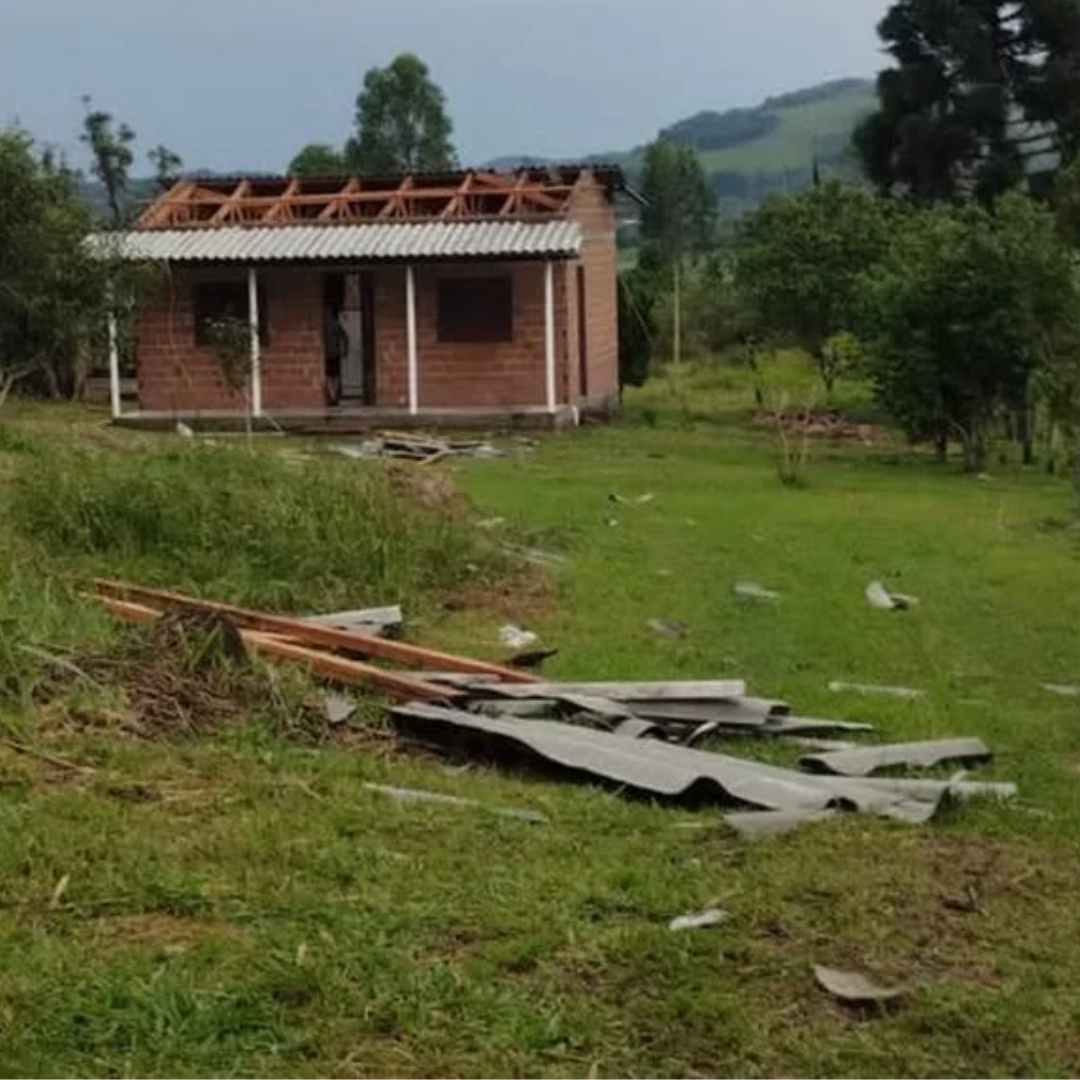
(949, 278)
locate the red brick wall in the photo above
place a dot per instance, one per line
(176, 375)
(495, 374)
(594, 210)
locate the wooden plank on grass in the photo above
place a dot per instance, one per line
(396, 684)
(326, 637)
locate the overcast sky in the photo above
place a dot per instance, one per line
(242, 84)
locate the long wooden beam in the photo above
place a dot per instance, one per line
(313, 634)
(396, 684)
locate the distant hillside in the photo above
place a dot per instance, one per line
(752, 152)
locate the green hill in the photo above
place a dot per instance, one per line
(772, 147)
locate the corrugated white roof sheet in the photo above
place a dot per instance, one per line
(373, 241)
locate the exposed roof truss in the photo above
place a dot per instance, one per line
(281, 200)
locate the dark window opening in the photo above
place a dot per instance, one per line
(217, 300)
(476, 309)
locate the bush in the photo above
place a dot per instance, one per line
(284, 534)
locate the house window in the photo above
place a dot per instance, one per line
(216, 300)
(476, 309)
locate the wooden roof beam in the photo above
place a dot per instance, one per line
(280, 209)
(229, 208)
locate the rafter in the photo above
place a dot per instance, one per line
(230, 208)
(272, 201)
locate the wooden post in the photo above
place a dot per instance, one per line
(410, 340)
(256, 354)
(549, 335)
(114, 364)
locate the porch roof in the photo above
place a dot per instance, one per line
(356, 242)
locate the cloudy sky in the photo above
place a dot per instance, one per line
(242, 84)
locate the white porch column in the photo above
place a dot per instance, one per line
(114, 364)
(410, 340)
(549, 336)
(256, 345)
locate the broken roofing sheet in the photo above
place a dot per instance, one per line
(671, 772)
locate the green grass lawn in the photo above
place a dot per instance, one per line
(241, 905)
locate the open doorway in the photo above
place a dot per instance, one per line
(348, 338)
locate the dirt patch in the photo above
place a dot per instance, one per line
(155, 930)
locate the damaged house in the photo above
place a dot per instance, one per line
(474, 294)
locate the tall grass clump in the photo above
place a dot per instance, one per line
(292, 534)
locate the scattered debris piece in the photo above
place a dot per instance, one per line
(491, 523)
(700, 921)
(637, 500)
(411, 795)
(530, 661)
(819, 746)
(756, 824)
(513, 637)
(826, 425)
(426, 449)
(1062, 690)
(183, 430)
(668, 628)
(339, 709)
(534, 555)
(867, 760)
(750, 590)
(872, 688)
(881, 598)
(853, 988)
(381, 620)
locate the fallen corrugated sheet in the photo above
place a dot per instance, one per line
(626, 691)
(659, 769)
(866, 760)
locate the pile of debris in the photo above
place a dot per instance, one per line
(425, 449)
(823, 425)
(644, 738)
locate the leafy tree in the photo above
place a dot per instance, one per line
(678, 222)
(798, 261)
(965, 306)
(167, 165)
(53, 291)
(401, 122)
(110, 148)
(968, 76)
(319, 159)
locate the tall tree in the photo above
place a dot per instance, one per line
(678, 222)
(944, 125)
(319, 159)
(401, 122)
(110, 148)
(966, 305)
(798, 260)
(167, 165)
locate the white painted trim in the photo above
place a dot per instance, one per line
(410, 340)
(549, 336)
(256, 345)
(114, 365)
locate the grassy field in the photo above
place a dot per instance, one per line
(238, 904)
